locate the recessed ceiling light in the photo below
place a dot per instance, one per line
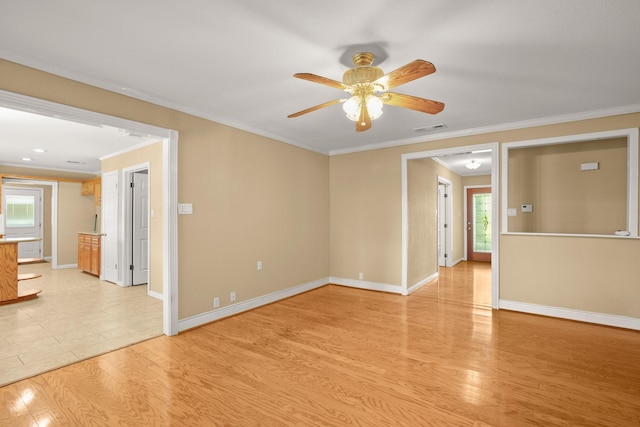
(26, 159)
(39, 150)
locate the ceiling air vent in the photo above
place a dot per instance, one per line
(430, 128)
(75, 163)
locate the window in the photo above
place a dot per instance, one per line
(579, 184)
(20, 211)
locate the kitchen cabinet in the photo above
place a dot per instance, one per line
(89, 253)
(93, 187)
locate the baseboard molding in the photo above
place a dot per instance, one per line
(421, 283)
(458, 261)
(220, 313)
(47, 258)
(571, 314)
(154, 294)
(363, 284)
(63, 266)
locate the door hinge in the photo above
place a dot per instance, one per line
(133, 185)
(446, 195)
(445, 255)
(446, 225)
(131, 267)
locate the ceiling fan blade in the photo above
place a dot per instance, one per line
(316, 107)
(322, 80)
(364, 121)
(412, 102)
(405, 74)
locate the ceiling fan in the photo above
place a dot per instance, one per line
(368, 86)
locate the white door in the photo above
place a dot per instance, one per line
(110, 227)
(23, 218)
(442, 224)
(140, 228)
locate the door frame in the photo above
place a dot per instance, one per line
(127, 174)
(54, 211)
(495, 215)
(40, 210)
(169, 139)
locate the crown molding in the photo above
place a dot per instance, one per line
(46, 66)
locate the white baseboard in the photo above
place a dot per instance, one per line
(458, 261)
(48, 258)
(363, 284)
(60, 267)
(154, 294)
(421, 283)
(220, 313)
(571, 314)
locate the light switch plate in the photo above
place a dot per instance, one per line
(185, 209)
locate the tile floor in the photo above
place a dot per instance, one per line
(76, 316)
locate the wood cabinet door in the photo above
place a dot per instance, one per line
(95, 255)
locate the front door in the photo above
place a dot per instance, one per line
(23, 218)
(479, 224)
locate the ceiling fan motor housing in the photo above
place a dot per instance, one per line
(364, 72)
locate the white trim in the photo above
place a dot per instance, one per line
(170, 183)
(363, 284)
(54, 214)
(154, 294)
(112, 86)
(129, 149)
(544, 121)
(458, 261)
(423, 282)
(170, 230)
(632, 169)
(231, 310)
(567, 313)
(63, 266)
(495, 215)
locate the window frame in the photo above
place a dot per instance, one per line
(632, 175)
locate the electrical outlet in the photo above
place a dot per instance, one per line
(216, 302)
(232, 296)
(259, 265)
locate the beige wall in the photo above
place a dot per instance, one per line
(566, 199)
(468, 181)
(422, 205)
(75, 214)
(151, 154)
(422, 196)
(253, 198)
(366, 225)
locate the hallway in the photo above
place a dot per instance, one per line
(468, 282)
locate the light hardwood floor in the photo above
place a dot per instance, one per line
(338, 356)
(75, 317)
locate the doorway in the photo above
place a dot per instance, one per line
(445, 229)
(169, 140)
(493, 152)
(23, 217)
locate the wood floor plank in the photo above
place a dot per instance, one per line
(338, 356)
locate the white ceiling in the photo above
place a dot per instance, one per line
(500, 64)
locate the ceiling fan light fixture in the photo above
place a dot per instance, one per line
(374, 106)
(472, 165)
(352, 108)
